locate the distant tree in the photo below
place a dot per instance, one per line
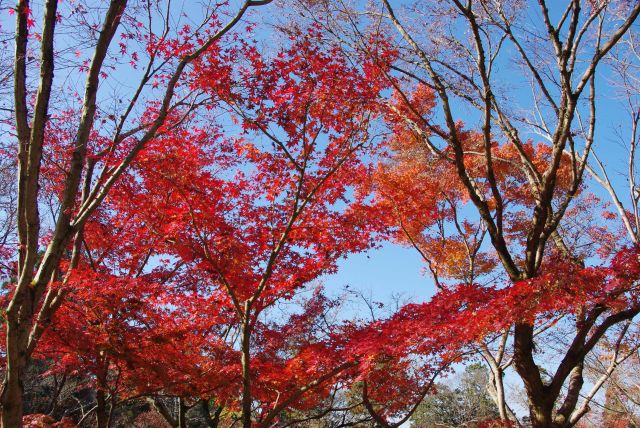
(466, 405)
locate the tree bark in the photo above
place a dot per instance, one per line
(13, 387)
(246, 368)
(212, 422)
(102, 416)
(182, 413)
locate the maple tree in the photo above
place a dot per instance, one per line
(284, 217)
(212, 232)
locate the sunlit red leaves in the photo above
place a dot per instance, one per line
(420, 194)
(192, 228)
(415, 108)
(126, 334)
(460, 315)
(46, 421)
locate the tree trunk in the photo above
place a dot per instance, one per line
(539, 400)
(212, 422)
(13, 387)
(541, 418)
(102, 416)
(496, 391)
(182, 414)
(246, 370)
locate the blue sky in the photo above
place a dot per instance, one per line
(390, 269)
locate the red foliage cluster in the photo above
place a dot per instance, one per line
(206, 233)
(185, 264)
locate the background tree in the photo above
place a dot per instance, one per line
(464, 405)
